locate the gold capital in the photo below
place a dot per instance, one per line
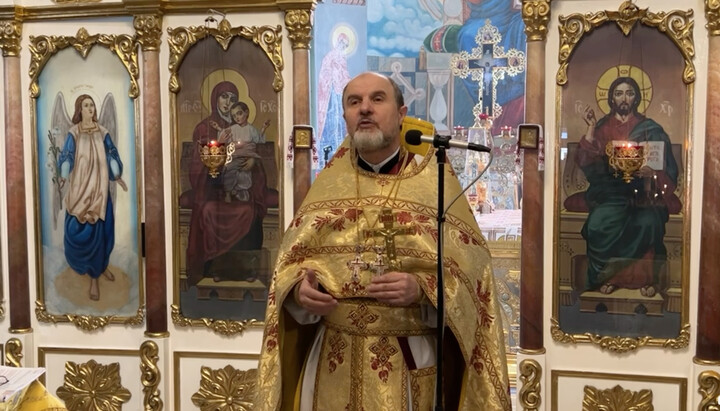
(149, 31)
(712, 14)
(536, 14)
(10, 35)
(299, 26)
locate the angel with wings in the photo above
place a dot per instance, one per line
(86, 167)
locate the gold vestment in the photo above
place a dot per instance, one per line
(362, 364)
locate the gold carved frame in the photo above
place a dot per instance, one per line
(595, 398)
(94, 381)
(216, 383)
(42, 49)
(181, 40)
(677, 26)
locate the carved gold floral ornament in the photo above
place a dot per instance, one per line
(226, 389)
(92, 386)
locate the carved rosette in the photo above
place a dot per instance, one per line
(183, 38)
(222, 327)
(10, 35)
(712, 14)
(13, 353)
(42, 49)
(619, 344)
(150, 376)
(148, 28)
(226, 389)
(299, 28)
(616, 398)
(676, 24)
(709, 389)
(92, 386)
(530, 376)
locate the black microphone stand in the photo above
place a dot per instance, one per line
(441, 143)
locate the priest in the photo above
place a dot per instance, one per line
(351, 317)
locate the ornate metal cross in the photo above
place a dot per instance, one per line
(389, 232)
(487, 64)
(357, 264)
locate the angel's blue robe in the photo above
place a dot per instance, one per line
(88, 244)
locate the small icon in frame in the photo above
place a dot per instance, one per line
(529, 135)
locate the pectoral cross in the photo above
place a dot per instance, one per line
(389, 232)
(357, 264)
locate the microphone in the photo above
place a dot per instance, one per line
(415, 138)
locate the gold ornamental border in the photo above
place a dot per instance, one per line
(269, 39)
(180, 40)
(13, 353)
(678, 382)
(224, 379)
(94, 372)
(676, 24)
(64, 9)
(530, 394)
(42, 49)
(709, 389)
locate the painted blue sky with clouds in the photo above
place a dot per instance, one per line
(397, 28)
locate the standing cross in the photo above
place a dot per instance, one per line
(486, 64)
(388, 232)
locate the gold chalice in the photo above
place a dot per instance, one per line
(627, 157)
(215, 154)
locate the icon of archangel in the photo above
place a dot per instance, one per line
(86, 169)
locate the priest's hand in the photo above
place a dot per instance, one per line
(395, 288)
(308, 296)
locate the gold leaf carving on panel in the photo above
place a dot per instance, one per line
(676, 24)
(150, 376)
(10, 36)
(13, 353)
(42, 48)
(530, 376)
(536, 14)
(149, 31)
(87, 322)
(616, 399)
(223, 327)
(619, 344)
(267, 37)
(299, 27)
(712, 14)
(226, 389)
(709, 388)
(92, 386)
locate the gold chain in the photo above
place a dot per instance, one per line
(394, 190)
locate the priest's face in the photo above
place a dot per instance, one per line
(372, 114)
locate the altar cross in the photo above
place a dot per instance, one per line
(487, 64)
(389, 231)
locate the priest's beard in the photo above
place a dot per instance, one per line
(368, 141)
